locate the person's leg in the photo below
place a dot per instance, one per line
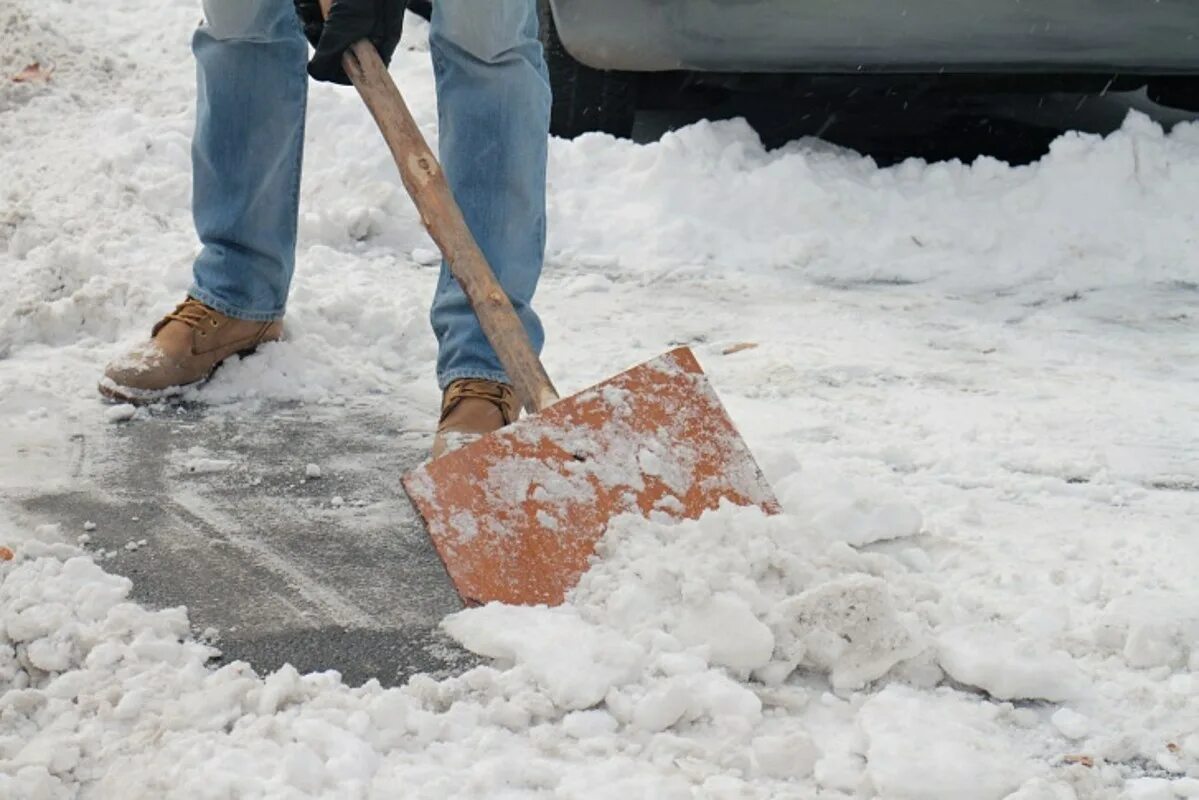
(493, 99)
(251, 95)
(251, 91)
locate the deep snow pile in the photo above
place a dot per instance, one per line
(696, 657)
(973, 387)
(692, 657)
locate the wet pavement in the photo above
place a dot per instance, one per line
(334, 572)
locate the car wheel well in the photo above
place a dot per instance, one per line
(584, 99)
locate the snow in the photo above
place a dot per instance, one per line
(1007, 665)
(787, 757)
(960, 750)
(120, 413)
(974, 391)
(1071, 724)
(726, 627)
(574, 678)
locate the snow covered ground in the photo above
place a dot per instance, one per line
(975, 389)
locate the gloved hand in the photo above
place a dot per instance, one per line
(349, 20)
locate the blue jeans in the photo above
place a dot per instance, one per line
(493, 104)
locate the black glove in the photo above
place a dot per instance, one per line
(349, 20)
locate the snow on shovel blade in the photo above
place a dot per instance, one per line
(516, 515)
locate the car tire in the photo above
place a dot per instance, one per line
(1176, 91)
(584, 99)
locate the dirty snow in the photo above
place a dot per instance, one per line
(975, 390)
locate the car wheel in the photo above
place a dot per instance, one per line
(585, 99)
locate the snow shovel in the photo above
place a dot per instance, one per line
(515, 516)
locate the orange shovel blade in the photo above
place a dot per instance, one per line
(516, 515)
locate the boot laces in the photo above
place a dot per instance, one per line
(499, 394)
(193, 313)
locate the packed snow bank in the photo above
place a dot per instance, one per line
(838, 218)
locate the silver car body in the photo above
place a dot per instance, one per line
(846, 36)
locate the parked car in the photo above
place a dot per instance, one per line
(608, 59)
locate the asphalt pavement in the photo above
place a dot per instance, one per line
(215, 510)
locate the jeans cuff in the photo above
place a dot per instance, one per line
(228, 310)
(444, 379)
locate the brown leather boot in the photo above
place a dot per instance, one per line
(185, 347)
(470, 408)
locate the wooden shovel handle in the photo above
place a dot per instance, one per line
(426, 184)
